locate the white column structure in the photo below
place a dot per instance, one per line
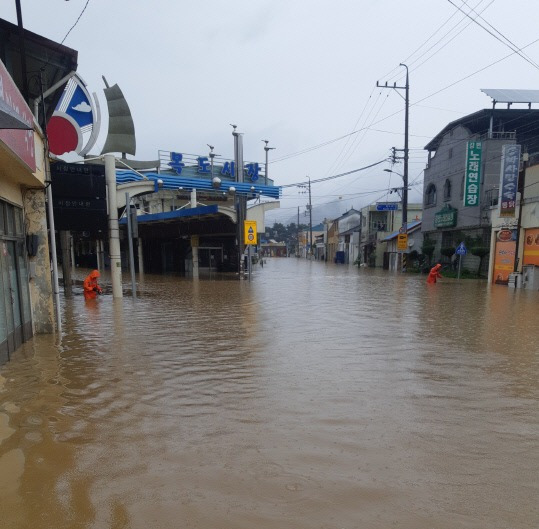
(114, 231)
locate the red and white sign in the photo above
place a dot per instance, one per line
(21, 142)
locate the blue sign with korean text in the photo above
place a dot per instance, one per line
(509, 179)
(389, 206)
(251, 170)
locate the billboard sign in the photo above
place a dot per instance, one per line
(531, 247)
(509, 179)
(504, 257)
(472, 173)
(79, 197)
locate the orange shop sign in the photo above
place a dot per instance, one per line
(531, 246)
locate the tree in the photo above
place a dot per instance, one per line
(478, 249)
(448, 251)
(428, 248)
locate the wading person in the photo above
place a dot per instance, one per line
(434, 273)
(91, 288)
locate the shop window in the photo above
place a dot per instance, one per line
(447, 190)
(18, 222)
(10, 219)
(430, 195)
(2, 219)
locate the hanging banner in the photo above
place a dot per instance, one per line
(472, 174)
(509, 179)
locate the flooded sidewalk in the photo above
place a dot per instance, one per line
(315, 396)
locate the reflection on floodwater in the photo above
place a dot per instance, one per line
(316, 396)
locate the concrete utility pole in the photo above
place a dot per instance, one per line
(241, 201)
(50, 210)
(114, 230)
(297, 229)
(310, 218)
(267, 149)
(406, 88)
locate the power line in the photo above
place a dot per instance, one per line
(76, 21)
(306, 182)
(513, 47)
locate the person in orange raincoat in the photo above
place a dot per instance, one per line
(91, 288)
(434, 273)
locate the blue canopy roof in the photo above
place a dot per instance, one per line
(202, 184)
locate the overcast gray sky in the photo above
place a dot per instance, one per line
(298, 73)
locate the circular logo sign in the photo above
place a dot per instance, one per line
(505, 235)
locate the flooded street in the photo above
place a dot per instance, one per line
(316, 396)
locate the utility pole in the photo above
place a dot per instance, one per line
(310, 219)
(267, 149)
(297, 229)
(22, 49)
(241, 201)
(406, 88)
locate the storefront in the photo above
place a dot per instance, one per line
(15, 309)
(25, 298)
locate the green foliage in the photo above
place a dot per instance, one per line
(478, 249)
(287, 234)
(448, 251)
(428, 248)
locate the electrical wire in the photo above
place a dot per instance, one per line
(76, 21)
(511, 46)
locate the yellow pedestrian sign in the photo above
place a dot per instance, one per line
(249, 230)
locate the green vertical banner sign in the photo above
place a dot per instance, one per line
(472, 175)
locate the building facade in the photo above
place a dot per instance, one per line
(451, 213)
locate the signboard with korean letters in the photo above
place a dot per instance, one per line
(509, 179)
(472, 175)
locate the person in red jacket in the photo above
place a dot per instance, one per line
(434, 273)
(91, 288)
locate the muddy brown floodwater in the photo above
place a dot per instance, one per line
(316, 396)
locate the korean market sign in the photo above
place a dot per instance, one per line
(249, 231)
(472, 175)
(509, 179)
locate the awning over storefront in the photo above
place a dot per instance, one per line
(179, 213)
(9, 119)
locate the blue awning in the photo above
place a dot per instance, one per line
(169, 215)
